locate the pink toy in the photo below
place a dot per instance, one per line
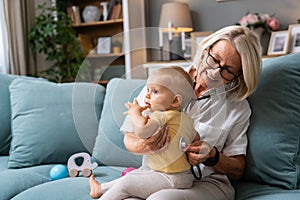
(127, 170)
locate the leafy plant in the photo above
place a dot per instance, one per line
(53, 35)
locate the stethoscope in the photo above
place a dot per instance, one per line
(195, 169)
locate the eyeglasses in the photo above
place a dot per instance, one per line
(225, 73)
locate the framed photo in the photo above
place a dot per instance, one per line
(294, 31)
(103, 45)
(196, 38)
(279, 43)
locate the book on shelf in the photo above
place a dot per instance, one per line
(74, 14)
(116, 11)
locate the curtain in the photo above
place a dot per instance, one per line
(3, 42)
(19, 19)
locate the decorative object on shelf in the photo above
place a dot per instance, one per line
(257, 20)
(105, 11)
(175, 18)
(117, 46)
(91, 13)
(294, 31)
(258, 32)
(279, 43)
(261, 25)
(54, 36)
(74, 14)
(104, 45)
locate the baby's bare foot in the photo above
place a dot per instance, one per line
(95, 188)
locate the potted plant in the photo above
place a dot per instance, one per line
(117, 46)
(53, 35)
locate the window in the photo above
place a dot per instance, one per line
(3, 41)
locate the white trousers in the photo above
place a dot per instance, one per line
(212, 187)
(142, 184)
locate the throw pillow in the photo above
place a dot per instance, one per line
(50, 121)
(5, 113)
(109, 148)
(273, 151)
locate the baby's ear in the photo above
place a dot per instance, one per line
(177, 101)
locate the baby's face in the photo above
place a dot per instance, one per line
(158, 97)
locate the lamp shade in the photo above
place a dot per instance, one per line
(178, 14)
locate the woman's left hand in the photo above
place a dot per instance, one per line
(198, 152)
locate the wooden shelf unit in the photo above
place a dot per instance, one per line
(116, 64)
(88, 34)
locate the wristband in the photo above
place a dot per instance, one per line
(212, 161)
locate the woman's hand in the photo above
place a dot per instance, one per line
(158, 141)
(233, 166)
(198, 152)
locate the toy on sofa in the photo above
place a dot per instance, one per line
(86, 167)
(127, 170)
(58, 172)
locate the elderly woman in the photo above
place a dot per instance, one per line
(225, 72)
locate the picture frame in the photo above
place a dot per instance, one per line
(103, 45)
(294, 34)
(196, 38)
(279, 43)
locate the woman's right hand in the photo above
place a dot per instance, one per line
(158, 141)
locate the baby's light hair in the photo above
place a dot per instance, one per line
(176, 79)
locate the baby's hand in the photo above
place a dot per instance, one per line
(134, 107)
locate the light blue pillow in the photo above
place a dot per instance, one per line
(109, 147)
(50, 121)
(274, 133)
(5, 113)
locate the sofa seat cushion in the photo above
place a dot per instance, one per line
(51, 122)
(3, 162)
(256, 191)
(69, 188)
(274, 133)
(14, 181)
(5, 110)
(109, 148)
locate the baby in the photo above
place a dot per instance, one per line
(169, 90)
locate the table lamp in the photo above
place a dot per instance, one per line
(175, 18)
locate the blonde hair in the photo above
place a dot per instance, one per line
(176, 79)
(249, 48)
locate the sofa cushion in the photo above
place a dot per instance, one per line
(109, 148)
(15, 181)
(69, 188)
(255, 191)
(274, 133)
(5, 113)
(50, 121)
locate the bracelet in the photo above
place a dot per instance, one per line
(212, 161)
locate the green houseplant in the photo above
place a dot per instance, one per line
(53, 35)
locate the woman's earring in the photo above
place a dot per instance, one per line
(232, 84)
(194, 85)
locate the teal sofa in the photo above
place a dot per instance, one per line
(43, 124)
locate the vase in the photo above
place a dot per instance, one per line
(91, 14)
(258, 32)
(105, 11)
